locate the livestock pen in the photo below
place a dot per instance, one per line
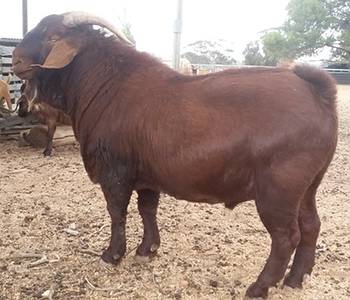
(54, 226)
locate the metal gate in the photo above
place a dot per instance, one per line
(6, 48)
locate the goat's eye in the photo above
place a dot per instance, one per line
(54, 38)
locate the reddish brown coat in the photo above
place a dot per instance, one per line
(266, 134)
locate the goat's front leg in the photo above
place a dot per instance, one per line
(51, 128)
(147, 204)
(117, 196)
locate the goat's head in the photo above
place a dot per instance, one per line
(54, 43)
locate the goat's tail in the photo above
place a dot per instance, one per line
(323, 82)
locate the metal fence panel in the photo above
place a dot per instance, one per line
(6, 69)
(341, 76)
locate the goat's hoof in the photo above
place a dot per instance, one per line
(255, 298)
(154, 248)
(108, 258)
(306, 278)
(142, 259)
(144, 256)
(105, 266)
(293, 281)
(146, 251)
(47, 152)
(256, 292)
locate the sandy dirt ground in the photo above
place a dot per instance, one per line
(49, 209)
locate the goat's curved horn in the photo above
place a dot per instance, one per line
(32, 99)
(72, 19)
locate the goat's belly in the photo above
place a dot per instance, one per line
(211, 191)
(213, 182)
(229, 202)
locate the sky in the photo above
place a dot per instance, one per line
(152, 21)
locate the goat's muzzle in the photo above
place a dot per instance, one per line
(20, 66)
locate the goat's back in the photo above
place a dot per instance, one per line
(225, 125)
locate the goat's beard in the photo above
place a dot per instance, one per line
(50, 92)
(57, 101)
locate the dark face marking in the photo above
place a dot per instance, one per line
(36, 45)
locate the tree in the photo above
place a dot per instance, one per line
(209, 52)
(277, 48)
(311, 26)
(126, 28)
(252, 55)
(342, 51)
(307, 22)
(340, 24)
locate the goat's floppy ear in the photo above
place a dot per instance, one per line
(61, 54)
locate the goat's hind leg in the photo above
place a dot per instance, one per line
(147, 205)
(278, 210)
(309, 224)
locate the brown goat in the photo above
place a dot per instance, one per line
(45, 113)
(258, 134)
(5, 92)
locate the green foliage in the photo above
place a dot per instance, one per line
(311, 26)
(307, 26)
(126, 28)
(252, 55)
(276, 48)
(209, 52)
(340, 13)
(339, 41)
